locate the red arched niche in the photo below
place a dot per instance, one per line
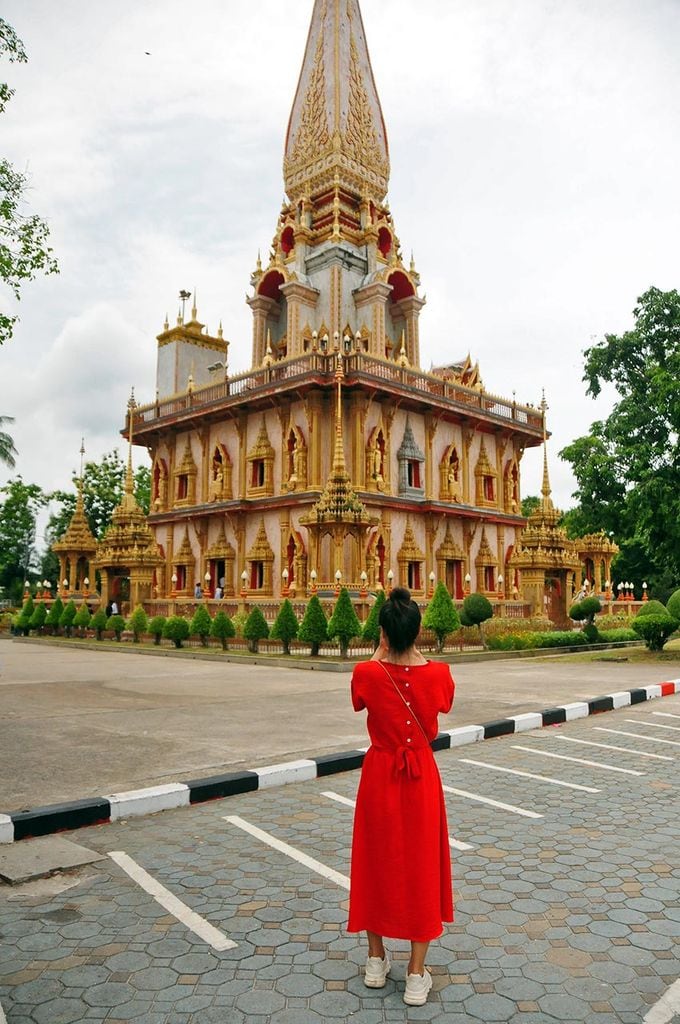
(401, 286)
(288, 240)
(384, 241)
(270, 285)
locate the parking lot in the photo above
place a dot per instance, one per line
(566, 876)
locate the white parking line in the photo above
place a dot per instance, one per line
(637, 736)
(528, 775)
(189, 918)
(665, 714)
(577, 760)
(652, 725)
(609, 746)
(492, 803)
(3, 1019)
(289, 851)
(666, 1008)
(455, 843)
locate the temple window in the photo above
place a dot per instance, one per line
(182, 487)
(411, 461)
(256, 575)
(413, 471)
(258, 477)
(181, 573)
(489, 578)
(489, 489)
(414, 576)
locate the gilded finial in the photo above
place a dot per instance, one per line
(412, 268)
(269, 357)
(403, 358)
(220, 332)
(194, 308)
(258, 265)
(129, 478)
(166, 324)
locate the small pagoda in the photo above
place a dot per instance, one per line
(77, 548)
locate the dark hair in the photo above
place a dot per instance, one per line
(400, 618)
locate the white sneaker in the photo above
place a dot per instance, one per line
(377, 971)
(417, 989)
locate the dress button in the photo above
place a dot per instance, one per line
(408, 740)
(406, 685)
(409, 722)
(406, 669)
(408, 703)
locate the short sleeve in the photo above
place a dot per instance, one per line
(358, 702)
(448, 690)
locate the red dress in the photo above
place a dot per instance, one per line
(401, 867)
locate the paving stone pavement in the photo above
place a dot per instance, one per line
(570, 917)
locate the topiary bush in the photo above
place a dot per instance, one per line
(54, 615)
(314, 626)
(371, 630)
(67, 616)
(618, 636)
(476, 610)
(653, 608)
(116, 624)
(344, 623)
(239, 620)
(222, 628)
(286, 626)
(176, 629)
(255, 629)
(655, 629)
(156, 627)
(441, 615)
(201, 624)
(138, 623)
(673, 605)
(82, 619)
(98, 622)
(22, 623)
(576, 612)
(38, 618)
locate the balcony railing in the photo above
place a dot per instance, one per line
(358, 367)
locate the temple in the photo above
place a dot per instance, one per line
(335, 459)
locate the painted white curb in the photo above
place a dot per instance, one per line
(577, 710)
(465, 734)
(283, 774)
(148, 801)
(6, 829)
(652, 691)
(531, 720)
(621, 699)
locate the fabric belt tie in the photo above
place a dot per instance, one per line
(406, 762)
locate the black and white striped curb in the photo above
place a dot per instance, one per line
(42, 821)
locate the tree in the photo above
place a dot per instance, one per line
(82, 619)
(286, 626)
(138, 623)
(37, 620)
(24, 252)
(344, 623)
(18, 515)
(54, 614)
(7, 450)
(371, 630)
(314, 626)
(98, 622)
(673, 605)
(655, 629)
(255, 629)
(222, 628)
(201, 624)
(585, 611)
(530, 504)
(116, 624)
(103, 488)
(628, 466)
(176, 629)
(156, 627)
(476, 610)
(441, 615)
(67, 617)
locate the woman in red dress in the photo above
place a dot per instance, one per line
(401, 869)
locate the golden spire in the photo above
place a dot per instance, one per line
(336, 114)
(194, 308)
(129, 476)
(339, 467)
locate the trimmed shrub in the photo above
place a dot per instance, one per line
(222, 628)
(54, 614)
(176, 629)
(156, 627)
(653, 608)
(82, 619)
(673, 605)
(37, 620)
(654, 629)
(371, 630)
(67, 616)
(286, 626)
(239, 620)
(23, 621)
(255, 629)
(476, 609)
(116, 624)
(576, 612)
(201, 624)
(98, 622)
(138, 623)
(344, 623)
(441, 615)
(314, 626)
(618, 636)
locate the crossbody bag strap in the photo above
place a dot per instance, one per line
(404, 701)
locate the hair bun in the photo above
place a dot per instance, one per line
(401, 594)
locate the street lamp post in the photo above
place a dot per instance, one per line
(501, 592)
(285, 576)
(433, 580)
(468, 581)
(645, 596)
(173, 580)
(390, 580)
(244, 580)
(313, 578)
(364, 581)
(338, 580)
(206, 590)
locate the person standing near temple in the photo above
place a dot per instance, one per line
(400, 878)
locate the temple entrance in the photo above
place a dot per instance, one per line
(555, 600)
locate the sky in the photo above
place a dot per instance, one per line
(535, 152)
